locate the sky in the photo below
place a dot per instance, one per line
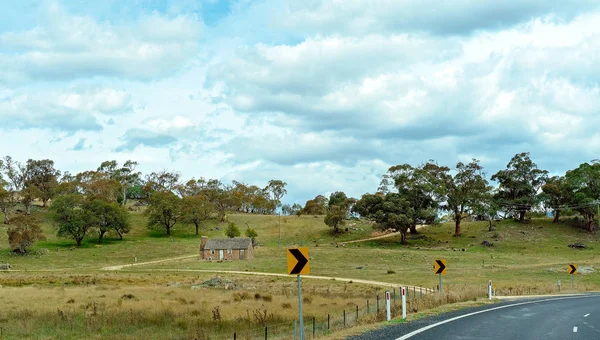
(325, 95)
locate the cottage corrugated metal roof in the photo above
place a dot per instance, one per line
(228, 243)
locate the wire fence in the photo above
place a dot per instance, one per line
(371, 311)
(374, 310)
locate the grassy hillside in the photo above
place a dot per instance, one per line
(56, 276)
(532, 252)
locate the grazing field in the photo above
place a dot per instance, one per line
(59, 291)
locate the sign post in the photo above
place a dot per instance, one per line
(490, 289)
(573, 271)
(439, 267)
(298, 264)
(404, 302)
(388, 305)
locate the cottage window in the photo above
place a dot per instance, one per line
(229, 251)
(212, 251)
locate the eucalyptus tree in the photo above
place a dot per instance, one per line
(520, 184)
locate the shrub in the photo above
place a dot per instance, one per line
(232, 230)
(286, 305)
(391, 271)
(23, 232)
(252, 234)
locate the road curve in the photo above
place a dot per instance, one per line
(557, 318)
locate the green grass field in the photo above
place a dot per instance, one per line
(526, 258)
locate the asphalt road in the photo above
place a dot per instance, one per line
(558, 318)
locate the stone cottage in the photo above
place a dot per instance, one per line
(226, 248)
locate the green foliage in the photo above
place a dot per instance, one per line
(421, 188)
(295, 209)
(556, 193)
(23, 233)
(252, 234)
(277, 190)
(196, 209)
(42, 175)
(232, 230)
(125, 175)
(98, 185)
(109, 216)
(584, 182)
(164, 210)
(335, 217)
(7, 202)
(71, 217)
(316, 206)
(464, 192)
(519, 184)
(389, 211)
(337, 198)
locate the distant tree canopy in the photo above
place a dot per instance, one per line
(316, 206)
(95, 201)
(164, 210)
(388, 210)
(463, 193)
(519, 185)
(335, 217)
(584, 183)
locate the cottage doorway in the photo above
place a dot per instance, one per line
(242, 254)
(221, 254)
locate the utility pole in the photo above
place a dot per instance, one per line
(279, 242)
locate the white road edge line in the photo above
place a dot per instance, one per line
(575, 329)
(585, 316)
(421, 330)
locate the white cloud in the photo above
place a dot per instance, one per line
(411, 97)
(322, 94)
(23, 112)
(357, 17)
(107, 101)
(68, 46)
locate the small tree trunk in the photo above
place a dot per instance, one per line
(197, 227)
(28, 209)
(44, 202)
(556, 216)
(78, 241)
(522, 215)
(6, 218)
(168, 230)
(120, 234)
(403, 236)
(100, 236)
(457, 225)
(490, 222)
